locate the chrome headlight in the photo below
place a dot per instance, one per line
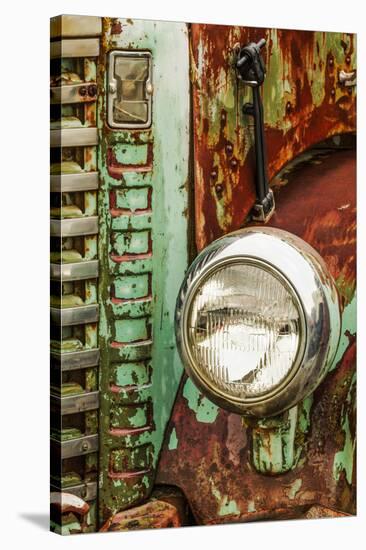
(258, 321)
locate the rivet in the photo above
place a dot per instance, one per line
(219, 188)
(233, 163)
(331, 61)
(213, 174)
(229, 149)
(82, 91)
(85, 446)
(349, 90)
(288, 107)
(348, 59)
(332, 92)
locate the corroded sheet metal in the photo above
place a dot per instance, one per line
(207, 452)
(304, 103)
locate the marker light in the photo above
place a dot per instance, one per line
(257, 321)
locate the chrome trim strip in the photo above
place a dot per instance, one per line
(77, 447)
(71, 93)
(74, 227)
(86, 181)
(75, 272)
(76, 403)
(63, 26)
(79, 315)
(86, 491)
(76, 47)
(75, 360)
(73, 137)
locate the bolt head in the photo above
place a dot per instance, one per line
(112, 88)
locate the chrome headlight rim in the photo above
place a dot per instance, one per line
(318, 343)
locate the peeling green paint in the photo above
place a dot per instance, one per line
(226, 506)
(206, 411)
(349, 319)
(273, 447)
(251, 506)
(142, 264)
(173, 441)
(343, 460)
(294, 488)
(304, 414)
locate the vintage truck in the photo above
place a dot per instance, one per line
(203, 230)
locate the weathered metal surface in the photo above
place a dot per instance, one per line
(303, 101)
(153, 515)
(208, 452)
(143, 251)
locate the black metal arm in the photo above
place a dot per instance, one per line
(251, 70)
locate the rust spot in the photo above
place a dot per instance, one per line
(221, 132)
(116, 26)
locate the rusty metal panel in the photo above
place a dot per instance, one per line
(304, 103)
(222, 462)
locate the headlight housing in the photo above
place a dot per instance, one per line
(258, 321)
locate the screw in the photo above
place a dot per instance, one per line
(83, 91)
(92, 90)
(85, 446)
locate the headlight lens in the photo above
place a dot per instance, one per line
(258, 321)
(244, 329)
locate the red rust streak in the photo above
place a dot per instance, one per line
(123, 432)
(130, 257)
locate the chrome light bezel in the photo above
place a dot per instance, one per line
(305, 275)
